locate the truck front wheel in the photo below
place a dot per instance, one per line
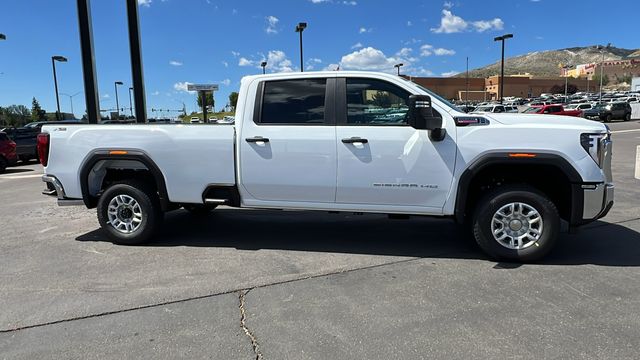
(516, 223)
(129, 212)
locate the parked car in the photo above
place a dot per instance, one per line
(37, 125)
(8, 156)
(195, 120)
(492, 108)
(227, 120)
(555, 109)
(466, 108)
(579, 106)
(609, 111)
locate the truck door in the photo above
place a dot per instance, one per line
(288, 148)
(381, 159)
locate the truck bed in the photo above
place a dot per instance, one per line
(190, 156)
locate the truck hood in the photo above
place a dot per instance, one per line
(538, 120)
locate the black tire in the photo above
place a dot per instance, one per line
(199, 209)
(25, 158)
(3, 165)
(147, 198)
(495, 200)
(607, 118)
(627, 117)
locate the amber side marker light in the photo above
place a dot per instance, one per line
(118, 152)
(522, 155)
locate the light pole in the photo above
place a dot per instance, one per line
(466, 94)
(264, 65)
(71, 99)
(130, 102)
(566, 81)
(601, 68)
(502, 38)
(115, 85)
(398, 66)
(3, 37)
(299, 29)
(55, 80)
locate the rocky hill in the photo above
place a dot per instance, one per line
(545, 63)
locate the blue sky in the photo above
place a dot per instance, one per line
(217, 41)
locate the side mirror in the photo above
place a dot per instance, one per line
(421, 113)
(421, 117)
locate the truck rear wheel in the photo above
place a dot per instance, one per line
(516, 223)
(129, 212)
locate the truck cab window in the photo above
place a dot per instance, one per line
(294, 102)
(375, 102)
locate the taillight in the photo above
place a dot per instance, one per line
(12, 144)
(43, 148)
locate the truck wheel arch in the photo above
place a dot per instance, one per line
(465, 187)
(122, 160)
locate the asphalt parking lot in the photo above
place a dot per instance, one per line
(247, 284)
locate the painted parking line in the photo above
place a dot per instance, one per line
(624, 131)
(637, 174)
(16, 177)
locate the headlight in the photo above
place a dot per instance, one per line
(594, 145)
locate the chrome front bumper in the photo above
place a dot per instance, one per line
(54, 188)
(598, 200)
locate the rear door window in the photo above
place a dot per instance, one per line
(294, 102)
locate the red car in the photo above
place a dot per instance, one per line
(7, 152)
(554, 109)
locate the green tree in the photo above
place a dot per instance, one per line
(15, 115)
(233, 99)
(37, 114)
(210, 100)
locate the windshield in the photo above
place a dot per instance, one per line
(434, 95)
(532, 110)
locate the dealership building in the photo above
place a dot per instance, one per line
(485, 89)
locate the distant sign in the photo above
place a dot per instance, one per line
(202, 87)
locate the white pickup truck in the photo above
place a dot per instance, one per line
(343, 141)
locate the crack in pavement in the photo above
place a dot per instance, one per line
(206, 296)
(243, 318)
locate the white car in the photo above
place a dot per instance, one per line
(196, 120)
(344, 141)
(491, 108)
(579, 106)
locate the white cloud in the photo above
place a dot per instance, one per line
(311, 63)
(278, 62)
(146, 3)
(484, 25)
(344, 2)
(235, 53)
(450, 73)
(357, 45)
(450, 23)
(426, 50)
(106, 96)
(175, 63)
(409, 23)
(155, 93)
(226, 64)
(245, 62)
(363, 30)
(272, 23)
(424, 72)
(226, 82)
(404, 52)
(447, 4)
(444, 52)
(182, 86)
(372, 59)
